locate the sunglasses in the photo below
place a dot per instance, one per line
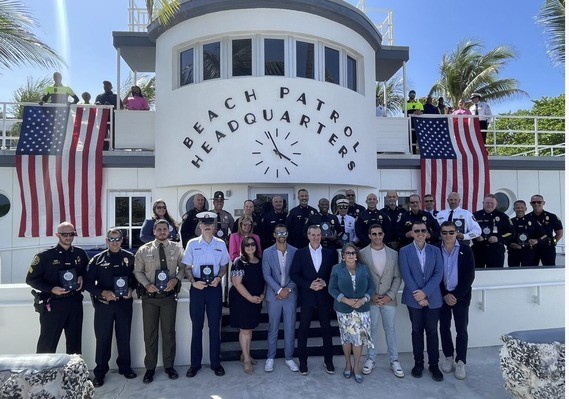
(350, 195)
(114, 239)
(417, 231)
(160, 207)
(281, 233)
(351, 253)
(377, 234)
(429, 200)
(342, 207)
(449, 232)
(536, 202)
(250, 244)
(67, 234)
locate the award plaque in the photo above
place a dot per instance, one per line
(206, 273)
(523, 240)
(220, 233)
(326, 230)
(161, 280)
(486, 231)
(68, 279)
(121, 286)
(459, 223)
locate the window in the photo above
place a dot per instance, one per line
(504, 202)
(128, 212)
(274, 57)
(189, 203)
(331, 65)
(212, 61)
(305, 60)
(242, 58)
(4, 205)
(351, 81)
(187, 67)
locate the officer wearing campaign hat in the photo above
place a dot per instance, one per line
(482, 109)
(224, 220)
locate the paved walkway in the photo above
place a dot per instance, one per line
(484, 380)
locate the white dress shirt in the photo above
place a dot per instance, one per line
(316, 255)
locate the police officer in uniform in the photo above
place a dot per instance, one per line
(58, 274)
(497, 230)
(296, 220)
(110, 281)
(189, 228)
(224, 220)
(332, 231)
(415, 214)
(368, 217)
(527, 233)
(347, 222)
(271, 219)
(466, 226)
(545, 249)
(354, 209)
(206, 260)
(393, 213)
(429, 204)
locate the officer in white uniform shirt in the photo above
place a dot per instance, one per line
(467, 227)
(346, 221)
(483, 111)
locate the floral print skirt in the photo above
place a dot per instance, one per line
(355, 328)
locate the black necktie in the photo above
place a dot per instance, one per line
(476, 109)
(342, 222)
(450, 215)
(218, 221)
(162, 254)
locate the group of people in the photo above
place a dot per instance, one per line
(301, 266)
(61, 94)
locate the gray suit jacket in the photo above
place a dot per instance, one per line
(390, 281)
(272, 272)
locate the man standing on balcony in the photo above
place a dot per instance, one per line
(545, 249)
(108, 97)
(58, 93)
(482, 110)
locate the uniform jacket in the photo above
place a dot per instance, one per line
(105, 266)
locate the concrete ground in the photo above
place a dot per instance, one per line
(484, 380)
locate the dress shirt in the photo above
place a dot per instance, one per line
(316, 255)
(484, 112)
(421, 254)
(471, 228)
(199, 252)
(451, 266)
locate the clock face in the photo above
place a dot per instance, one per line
(276, 153)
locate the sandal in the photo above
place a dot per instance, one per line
(247, 367)
(359, 378)
(253, 361)
(347, 374)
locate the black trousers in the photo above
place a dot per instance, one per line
(521, 257)
(66, 315)
(460, 314)
(202, 302)
(159, 312)
(546, 254)
(117, 314)
(423, 321)
(489, 256)
(484, 130)
(322, 308)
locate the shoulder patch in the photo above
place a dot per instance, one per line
(36, 260)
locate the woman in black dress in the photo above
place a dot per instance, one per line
(246, 297)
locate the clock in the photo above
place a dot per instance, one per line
(275, 154)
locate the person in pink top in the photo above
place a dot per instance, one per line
(136, 102)
(462, 110)
(245, 226)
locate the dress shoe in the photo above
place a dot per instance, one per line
(436, 372)
(98, 382)
(172, 373)
(129, 374)
(219, 370)
(192, 371)
(148, 376)
(417, 371)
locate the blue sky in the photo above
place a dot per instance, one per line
(430, 29)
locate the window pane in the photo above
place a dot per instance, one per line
(211, 61)
(138, 210)
(187, 67)
(351, 79)
(135, 239)
(274, 57)
(121, 211)
(332, 66)
(305, 60)
(242, 57)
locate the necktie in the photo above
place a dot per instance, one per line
(218, 221)
(450, 215)
(162, 254)
(342, 222)
(476, 109)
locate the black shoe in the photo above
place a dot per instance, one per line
(417, 371)
(219, 370)
(303, 369)
(148, 376)
(129, 374)
(329, 367)
(98, 382)
(172, 373)
(192, 371)
(436, 373)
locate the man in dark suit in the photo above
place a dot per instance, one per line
(310, 271)
(456, 289)
(421, 267)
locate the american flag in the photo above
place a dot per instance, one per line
(59, 161)
(453, 158)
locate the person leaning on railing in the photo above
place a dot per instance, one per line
(58, 93)
(135, 101)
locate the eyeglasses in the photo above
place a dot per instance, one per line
(114, 239)
(417, 231)
(281, 233)
(377, 234)
(350, 253)
(250, 244)
(67, 234)
(449, 232)
(160, 207)
(536, 202)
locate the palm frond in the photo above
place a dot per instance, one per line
(552, 19)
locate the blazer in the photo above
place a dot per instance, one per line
(272, 272)
(341, 286)
(303, 274)
(466, 270)
(390, 281)
(428, 281)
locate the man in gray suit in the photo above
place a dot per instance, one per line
(384, 269)
(281, 296)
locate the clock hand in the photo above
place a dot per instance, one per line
(284, 156)
(276, 150)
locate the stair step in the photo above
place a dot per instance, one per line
(231, 351)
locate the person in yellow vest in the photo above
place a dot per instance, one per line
(58, 93)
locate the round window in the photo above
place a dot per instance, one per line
(189, 204)
(504, 202)
(4, 205)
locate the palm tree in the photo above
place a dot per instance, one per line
(395, 95)
(552, 18)
(466, 70)
(18, 46)
(163, 9)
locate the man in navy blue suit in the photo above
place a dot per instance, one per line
(310, 271)
(421, 267)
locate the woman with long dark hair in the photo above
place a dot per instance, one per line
(160, 211)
